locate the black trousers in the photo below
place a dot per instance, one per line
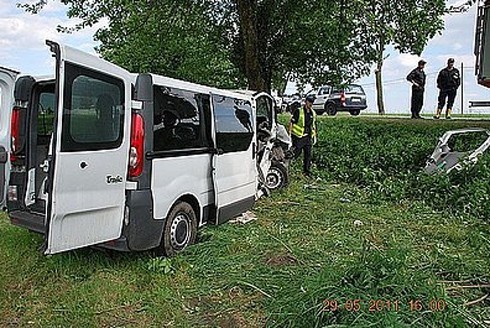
(417, 102)
(450, 95)
(303, 145)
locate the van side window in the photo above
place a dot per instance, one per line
(45, 113)
(179, 119)
(264, 112)
(233, 118)
(93, 115)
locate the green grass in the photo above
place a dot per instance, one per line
(278, 271)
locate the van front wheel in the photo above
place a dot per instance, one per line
(180, 230)
(277, 177)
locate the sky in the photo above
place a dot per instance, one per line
(22, 48)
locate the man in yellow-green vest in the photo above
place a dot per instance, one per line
(303, 131)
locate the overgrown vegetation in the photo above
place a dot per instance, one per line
(386, 157)
(314, 244)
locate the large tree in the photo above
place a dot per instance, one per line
(314, 41)
(407, 25)
(221, 41)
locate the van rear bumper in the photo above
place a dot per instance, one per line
(31, 221)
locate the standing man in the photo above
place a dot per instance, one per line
(448, 82)
(303, 131)
(417, 78)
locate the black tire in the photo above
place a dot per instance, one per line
(355, 112)
(331, 109)
(277, 177)
(180, 230)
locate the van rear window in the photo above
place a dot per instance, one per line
(45, 113)
(93, 115)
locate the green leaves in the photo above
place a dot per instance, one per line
(263, 43)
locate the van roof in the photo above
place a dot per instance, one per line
(167, 81)
(9, 69)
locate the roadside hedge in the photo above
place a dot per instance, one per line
(386, 157)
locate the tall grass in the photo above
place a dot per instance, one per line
(338, 239)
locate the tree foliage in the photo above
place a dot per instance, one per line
(259, 42)
(407, 25)
(173, 38)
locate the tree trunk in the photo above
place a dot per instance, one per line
(247, 12)
(379, 88)
(380, 47)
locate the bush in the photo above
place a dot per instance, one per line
(386, 158)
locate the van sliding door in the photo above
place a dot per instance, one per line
(234, 170)
(90, 151)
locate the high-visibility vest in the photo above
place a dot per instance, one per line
(299, 127)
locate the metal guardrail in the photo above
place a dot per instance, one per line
(479, 103)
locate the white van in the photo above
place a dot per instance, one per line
(132, 162)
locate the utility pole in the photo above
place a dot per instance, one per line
(462, 87)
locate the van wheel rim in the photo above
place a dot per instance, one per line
(180, 231)
(274, 179)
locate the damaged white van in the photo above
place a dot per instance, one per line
(132, 162)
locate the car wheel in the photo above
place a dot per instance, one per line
(277, 177)
(180, 230)
(331, 109)
(355, 112)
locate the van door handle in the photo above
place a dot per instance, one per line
(218, 151)
(45, 166)
(83, 165)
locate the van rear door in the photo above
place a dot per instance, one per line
(90, 151)
(7, 83)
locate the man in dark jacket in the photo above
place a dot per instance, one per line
(417, 78)
(448, 82)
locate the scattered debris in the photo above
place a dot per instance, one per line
(345, 200)
(288, 203)
(444, 159)
(358, 223)
(244, 218)
(481, 299)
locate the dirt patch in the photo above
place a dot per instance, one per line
(280, 260)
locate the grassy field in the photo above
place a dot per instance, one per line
(323, 253)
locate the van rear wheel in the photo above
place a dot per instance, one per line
(355, 112)
(180, 230)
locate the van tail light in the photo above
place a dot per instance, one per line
(342, 99)
(137, 149)
(15, 143)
